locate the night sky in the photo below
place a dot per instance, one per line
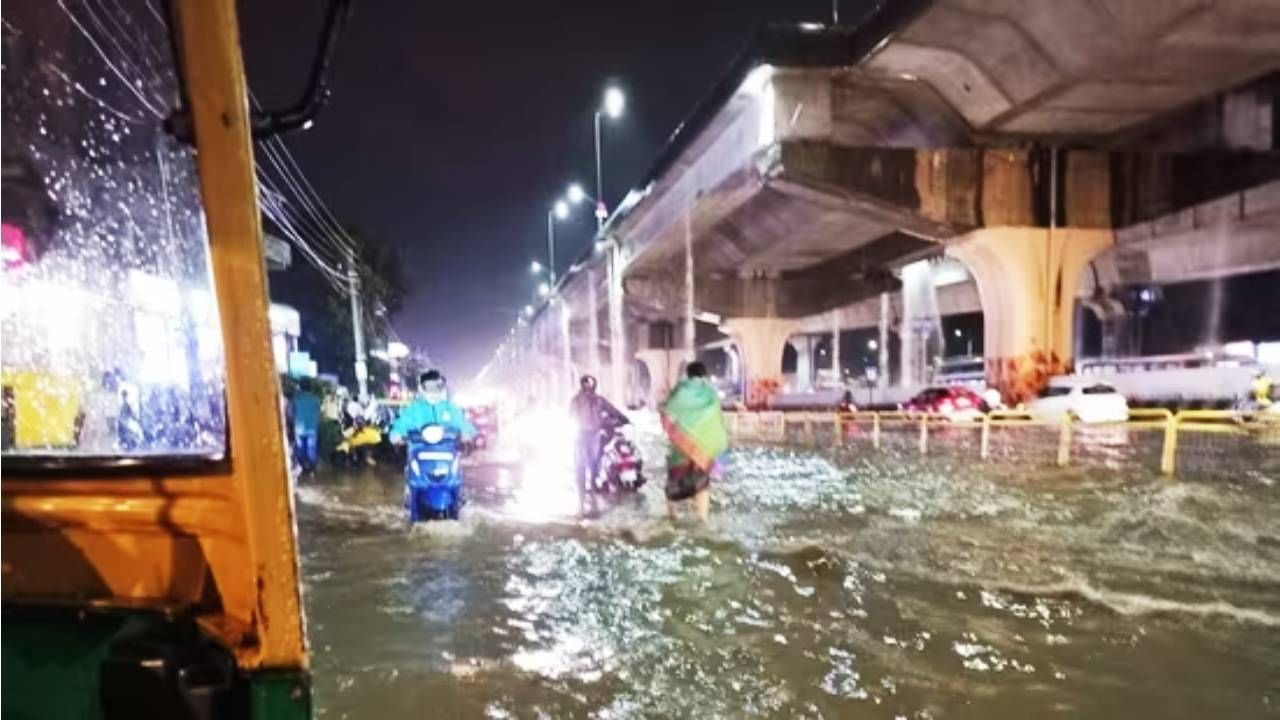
(453, 126)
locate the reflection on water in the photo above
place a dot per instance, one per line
(826, 586)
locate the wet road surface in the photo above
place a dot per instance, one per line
(826, 585)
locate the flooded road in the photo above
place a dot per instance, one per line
(826, 585)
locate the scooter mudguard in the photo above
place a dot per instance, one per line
(440, 497)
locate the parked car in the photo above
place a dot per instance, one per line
(953, 403)
(1087, 400)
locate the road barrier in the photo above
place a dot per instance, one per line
(1068, 439)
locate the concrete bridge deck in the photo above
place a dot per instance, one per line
(1025, 139)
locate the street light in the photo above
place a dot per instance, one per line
(528, 311)
(873, 345)
(544, 289)
(561, 209)
(535, 267)
(614, 103)
(576, 194)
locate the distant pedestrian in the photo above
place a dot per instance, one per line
(98, 435)
(130, 435)
(306, 425)
(694, 422)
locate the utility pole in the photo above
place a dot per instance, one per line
(601, 212)
(551, 249)
(357, 327)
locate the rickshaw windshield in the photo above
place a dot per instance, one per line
(112, 348)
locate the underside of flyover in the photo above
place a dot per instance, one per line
(1025, 139)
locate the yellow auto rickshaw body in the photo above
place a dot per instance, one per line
(209, 540)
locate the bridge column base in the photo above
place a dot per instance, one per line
(1028, 278)
(760, 343)
(664, 372)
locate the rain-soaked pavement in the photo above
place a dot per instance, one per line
(847, 585)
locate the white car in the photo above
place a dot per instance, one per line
(1087, 400)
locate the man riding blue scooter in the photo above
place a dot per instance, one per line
(435, 429)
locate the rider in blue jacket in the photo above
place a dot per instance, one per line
(432, 407)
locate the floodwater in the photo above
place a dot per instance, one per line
(826, 585)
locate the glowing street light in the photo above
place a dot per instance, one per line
(561, 209)
(535, 267)
(528, 311)
(614, 102)
(873, 345)
(544, 289)
(576, 194)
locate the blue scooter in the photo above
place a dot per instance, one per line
(433, 474)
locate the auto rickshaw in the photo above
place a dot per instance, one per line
(150, 565)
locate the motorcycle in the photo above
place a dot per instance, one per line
(621, 468)
(433, 474)
(1250, 413)
(359, 445)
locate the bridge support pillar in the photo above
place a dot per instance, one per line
(805, 361)
(568, 376)
(760, 344)
(664, 372)
(617, 333)
(593, 326)
(1027, 278)
(837, 370)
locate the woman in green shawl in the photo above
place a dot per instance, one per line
(693, 421)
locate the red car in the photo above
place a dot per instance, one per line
(955, 403)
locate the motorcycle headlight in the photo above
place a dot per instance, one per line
(433, 434)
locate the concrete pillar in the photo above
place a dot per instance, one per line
(735, 367)
(617, 333)
(664, 372)
(804, 362)
(920, 328)
(760, 343)
(1028, 279)
(1116, 330)
(593, 326)
(836, 370)
(882, 360)
(566, 374)
(690, 312)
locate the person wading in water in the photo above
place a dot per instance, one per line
(694, 423)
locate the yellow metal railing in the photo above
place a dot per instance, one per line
(774, 426)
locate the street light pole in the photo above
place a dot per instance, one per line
(613, 103)
(357, 327)
(551, 247)
(599, 180)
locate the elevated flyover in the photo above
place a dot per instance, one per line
(1022, 138)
